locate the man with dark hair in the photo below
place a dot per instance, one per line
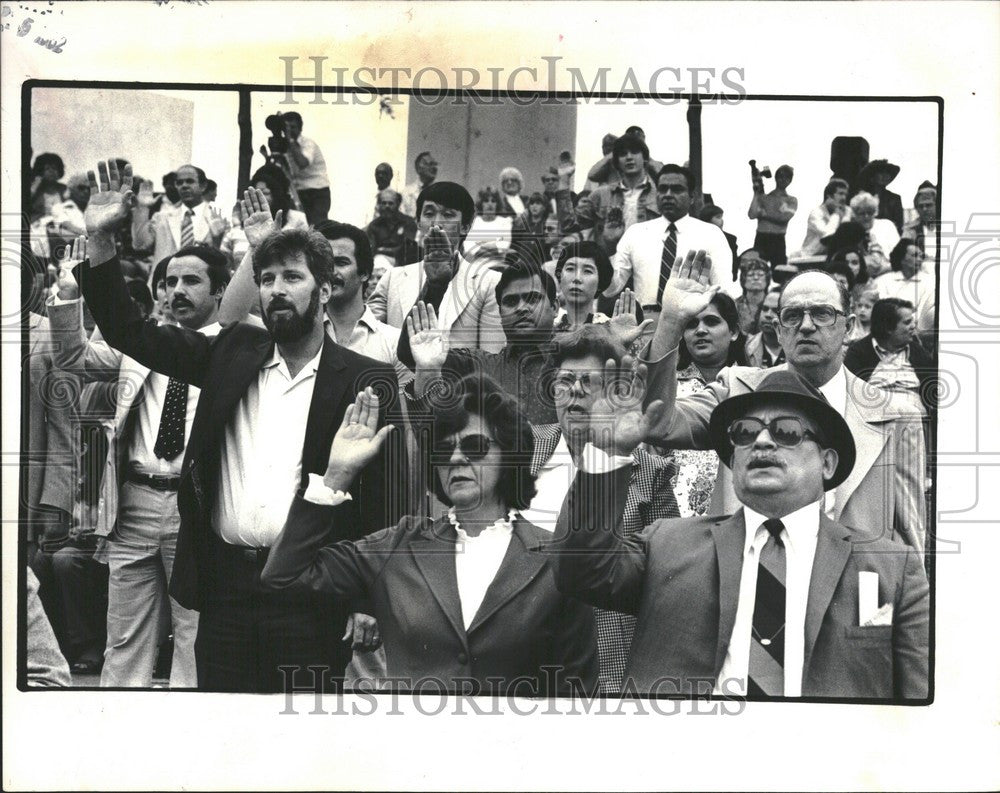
(426, 169)
(390, 228)
(308, 169)
(772, 211)
(138, 518)
(462, 292)
(194, 220)
(814, 316)
(607, 170)
(891, 357)
(272, 403)
(647, 250)
(825, 219)
(923, 229)
(776, 600)
(764, 349)
(614, 207)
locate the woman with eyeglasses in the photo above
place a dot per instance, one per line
(466, 602)
(711, 341)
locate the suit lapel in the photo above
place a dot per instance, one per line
(729, 536)
(434, 556)
(518, 569)
(458, 295)
(868, 441)
(328, 392)
(833, 548)
(408, 289)
(234, 380)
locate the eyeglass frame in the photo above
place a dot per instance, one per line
(809, 310)
(562, 378)
(769, 426)
(444, 451)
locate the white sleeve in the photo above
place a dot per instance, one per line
(622, 262)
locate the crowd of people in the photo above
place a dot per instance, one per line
(533, 442)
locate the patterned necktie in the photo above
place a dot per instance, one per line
(767, 643)
(187, 229)
(667, 260)
(170, 437)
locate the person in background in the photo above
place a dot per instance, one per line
(755, 279)
(878, 235)
(710, 213)
(607, 146)
(489, 227)
(426, 168)
(607, 170)
(512, 202)
(390, 230)
(763, 349)
(773, 211)
(854, 258)
(46, 190)
(271, 181)
(308, 167)
(923, 229)
(908, 280)
(711, 341)
(862, 308)
(583, 271)
(68, 216)
(550, 184)
(826, 218)
(874, 178)
(383, 180)
(527, 232)
(842, 274)
(211, 191)
(169, 198)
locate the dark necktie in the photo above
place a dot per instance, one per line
(667, 260)
(767, 643)
(170, 437)
(187, 229)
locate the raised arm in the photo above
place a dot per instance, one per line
(170, 350)
(143, 230)
(242, 291)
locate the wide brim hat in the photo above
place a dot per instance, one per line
(783, 387)
(868, 172)
(849, 234)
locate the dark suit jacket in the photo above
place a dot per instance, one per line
(408, 572)
(681, 579)
(862, 359)
(223, 368)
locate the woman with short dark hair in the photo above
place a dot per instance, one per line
(468, 600)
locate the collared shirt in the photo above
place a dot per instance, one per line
(799, 537)
(261, 461)
(835, 392)
(477, 560)
(631, 196)
(822, 223)
(561, 322)
(369, 337)
(313, 176)
(919, 290)
(147, 426)
(641, 248)
(551, 486)
(895, 373)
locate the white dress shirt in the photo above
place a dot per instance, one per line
(799, 537)
(551, 486)
(313, 176)
(477, 560)
(147, 426)
(641, 248)
(822, 223)
(261, 461)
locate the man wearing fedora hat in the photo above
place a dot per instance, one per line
(875, 178)
(776, 600)
(885, 491)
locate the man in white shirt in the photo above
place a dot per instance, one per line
(427, 169)
(776, 600)
(647, 250)
(308, 169)
(272, 401)
(139, 521)
(192, 221)
(923, 230)
(825, 219)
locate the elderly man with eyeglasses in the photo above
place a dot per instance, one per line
(886, 487)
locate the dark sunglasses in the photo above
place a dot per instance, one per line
(784, 430)
(473, 448)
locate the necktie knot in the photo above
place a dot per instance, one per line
(774, 527)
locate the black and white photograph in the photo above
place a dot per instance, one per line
(471, 363)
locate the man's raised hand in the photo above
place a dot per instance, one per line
(255, 213)
(618, 421)
(426, 343)
(110, 198)
(624, 326)
(357, 441)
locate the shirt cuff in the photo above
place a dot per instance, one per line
(597, 461)
(318, 493)
(55, 300)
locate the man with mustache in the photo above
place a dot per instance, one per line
(138, 518)
(885, 491)
(776, 600)
(272, 402)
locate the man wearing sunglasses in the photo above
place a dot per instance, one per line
(776, 600)
(886, 490)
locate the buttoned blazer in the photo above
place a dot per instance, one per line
(468, 314)
(223, 368)
(681, 578)
(408, 571)
(884, 492)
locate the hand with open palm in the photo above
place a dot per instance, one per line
(255, 213)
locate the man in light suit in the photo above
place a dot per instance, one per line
(137, 516)
(461, 291)
(192, 221)
(776, 600)
(886, 487)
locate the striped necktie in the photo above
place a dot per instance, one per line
(667, 260)
(187, 229)
(767, 643)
